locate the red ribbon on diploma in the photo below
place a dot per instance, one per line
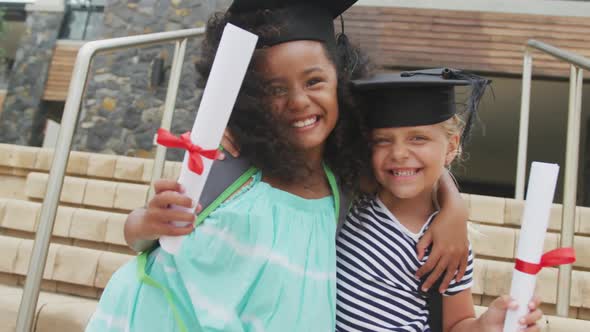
(560, 256)
(195, 162)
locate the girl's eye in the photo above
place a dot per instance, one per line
(276, 91)
(379, 142)
(313, 81)
(419, 138)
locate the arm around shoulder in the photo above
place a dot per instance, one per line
(448, 236)
(450, 200)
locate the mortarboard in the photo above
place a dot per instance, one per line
(304, 19)
(418, 98)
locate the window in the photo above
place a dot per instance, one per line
(12, 28)
(490, 156)
(83, 20)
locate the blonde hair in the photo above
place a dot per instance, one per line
(455, 126)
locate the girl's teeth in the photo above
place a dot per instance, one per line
(305, 123)
(404, 173)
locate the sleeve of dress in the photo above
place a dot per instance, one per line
(465, 282)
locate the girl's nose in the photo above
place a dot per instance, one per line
(298, 100)
(399, 151)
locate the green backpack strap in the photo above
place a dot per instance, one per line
(142, 258)
(342, 198)
(335, 191)
(170, 298)
(234, 187)
(222, 176)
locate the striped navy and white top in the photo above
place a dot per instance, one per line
(376, 264)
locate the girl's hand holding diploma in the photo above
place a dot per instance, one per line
(145, 225)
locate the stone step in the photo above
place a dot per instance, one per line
(57, 312)
(69, 270)
(508, 212)
(20, 160)
(70, 223)
(490, 241)
(93, 193)
(86, 271)
(493, 278)
(498, 241)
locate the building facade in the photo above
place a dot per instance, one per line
(125, 94)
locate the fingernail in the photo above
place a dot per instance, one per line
(221, 156)
(182, 189)
(424, 289)
(442, 291)
(521, 321)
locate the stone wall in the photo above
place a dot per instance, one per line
(122, 112)
(19, 119)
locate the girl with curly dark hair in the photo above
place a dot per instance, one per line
(260, 124)
(265, 259)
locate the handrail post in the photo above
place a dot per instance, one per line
(28, 305)
(570, 186)
(577, 64)
(525, 102)
(169, 104)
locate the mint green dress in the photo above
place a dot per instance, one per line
(263, 261)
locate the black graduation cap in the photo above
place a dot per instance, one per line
(304, 19)
(418, 98)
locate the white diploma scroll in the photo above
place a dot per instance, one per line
(535, 219)
(227, 74)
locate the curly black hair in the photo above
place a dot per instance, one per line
(255, 128)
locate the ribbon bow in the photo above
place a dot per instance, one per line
(560, 256)
(195, 162)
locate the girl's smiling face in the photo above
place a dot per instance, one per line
(301, 84)
(408, 161)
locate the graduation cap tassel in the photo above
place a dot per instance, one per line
(478, 87)
(349, 56)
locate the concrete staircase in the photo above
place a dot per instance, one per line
(87, 243)
(99, 190)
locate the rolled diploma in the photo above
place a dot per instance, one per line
(535, 220)
(227, 74)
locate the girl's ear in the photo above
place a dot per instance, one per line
(453, 149)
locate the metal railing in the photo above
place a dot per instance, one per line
(577, 64)
(76, 90)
